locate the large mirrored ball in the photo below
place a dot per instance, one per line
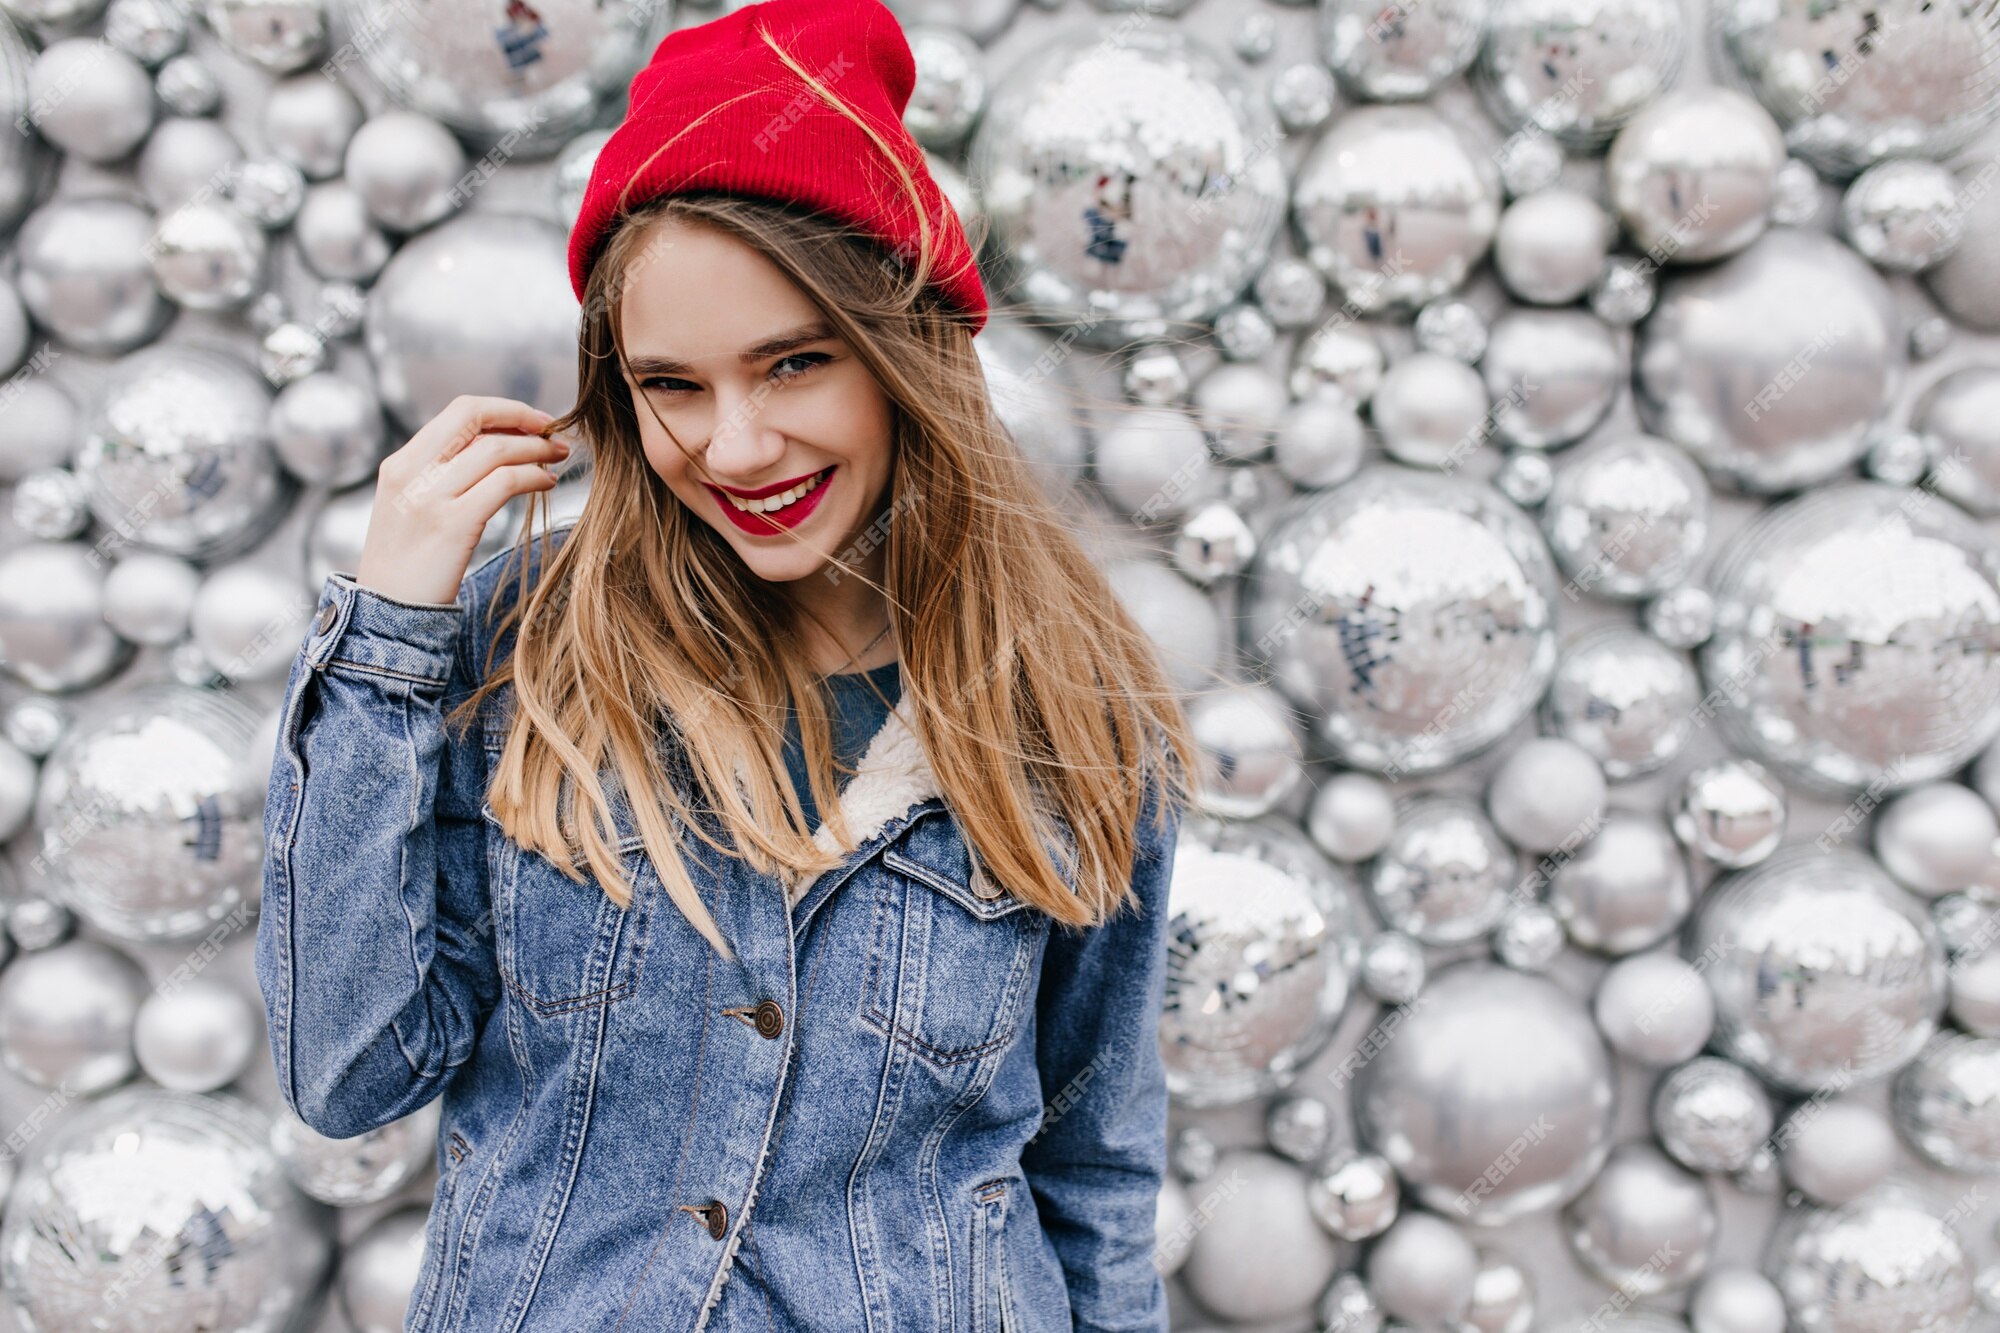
(523, 83)
(178, 456)
(1771, 366)
(1394, 208)
(1411, 614)
(1262, 954)
(1398, 55)
(1127, 177)
(1694, 175)
(147, 831)
(1839, 654)
(1946, 1103)
(1856, 81)
(1628, 516)
(1490, 1066)
(1822, 968)
(172, 1200)
(1578, 69)
(84, 273)
(66, 1016)
(481, 304)
(1890, 1260)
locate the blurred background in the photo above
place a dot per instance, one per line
(1556, 443)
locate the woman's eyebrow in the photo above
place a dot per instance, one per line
(775, 345)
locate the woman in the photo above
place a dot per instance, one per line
(547, 839)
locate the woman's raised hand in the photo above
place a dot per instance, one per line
(435, 495)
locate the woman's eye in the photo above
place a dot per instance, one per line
(668, 385)
(811, 359)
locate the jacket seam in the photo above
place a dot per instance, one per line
(576, 1133)
(403, 873)
(289, 955)
(370, 668)
(965, 1105)
(461, 1290)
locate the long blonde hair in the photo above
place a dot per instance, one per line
(1031, 688)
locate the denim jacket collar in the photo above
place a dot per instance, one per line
(892, 777)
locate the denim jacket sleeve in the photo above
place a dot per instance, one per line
(1096, 1165)
(374, 946)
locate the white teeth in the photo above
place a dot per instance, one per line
(771, 503)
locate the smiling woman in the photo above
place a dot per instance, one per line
(781, 413)
(749, 862)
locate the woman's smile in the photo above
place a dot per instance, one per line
(786, 509)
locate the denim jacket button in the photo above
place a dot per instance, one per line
(326, 615)
(770, 1019)
(715, 1213)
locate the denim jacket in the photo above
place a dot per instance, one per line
(911, 1102)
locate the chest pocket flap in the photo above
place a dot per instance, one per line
(953, 955)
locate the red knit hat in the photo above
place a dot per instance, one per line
(767, 134)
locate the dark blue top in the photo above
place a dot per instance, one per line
(856, 715)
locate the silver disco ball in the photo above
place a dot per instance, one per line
(1490, 1066)
(1891, 1261)
(152, 1210)
(523, 77)
(1854, 640)
(178, 456)
(1578, 69)
(145, 826)
(1772, 366)
(1394, 207)
(1262, 954)
(1411, 614)
(480, 304)
(1127, 175)
(1824, 971)
(1856, 81)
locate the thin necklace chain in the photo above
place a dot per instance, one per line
(871, 643)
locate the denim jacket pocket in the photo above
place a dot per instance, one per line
(992, 1310)
(562, 945)
(951, 954)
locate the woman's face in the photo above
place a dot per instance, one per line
(722, 348)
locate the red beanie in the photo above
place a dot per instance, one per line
(764, 132)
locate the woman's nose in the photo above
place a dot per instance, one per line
(742, 447)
